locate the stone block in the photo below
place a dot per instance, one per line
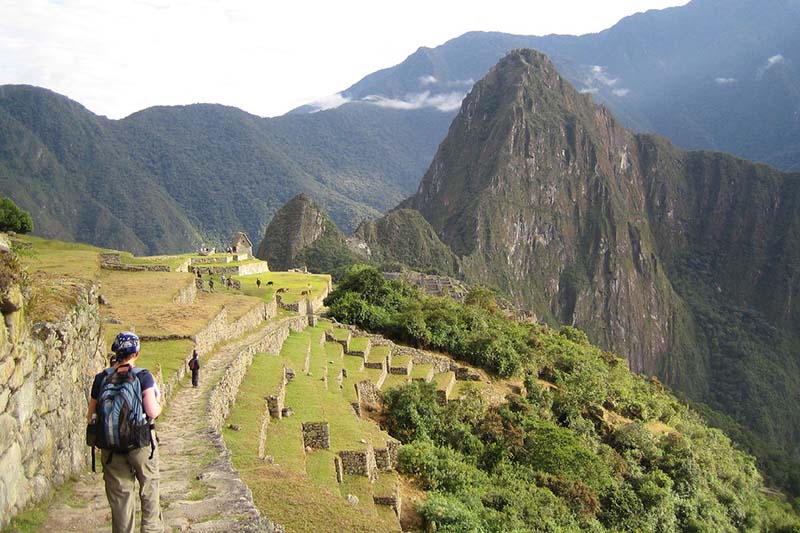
(23, 403)
(8, 431)
(5, 394)
(11, 476)
(317, 435)
(7, 367)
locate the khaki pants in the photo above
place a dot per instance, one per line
(120, 477)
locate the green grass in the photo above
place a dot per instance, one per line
(394, 380)
(334, 350)
(169, 354)
(401, 361)
(294, 281)
(359, 344)
(461, 387)
(63, 258)
(341, 334)
(443, 379)
(298, 480)
(31, 519)
(377, 353)
(420, 371)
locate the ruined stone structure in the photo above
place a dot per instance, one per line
(46, 371)
(360, 462)
(224, 393)
(241, 245)
(317, 435)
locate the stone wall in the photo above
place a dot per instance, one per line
(317, 435)
(393, 500)
(275, 401)
(219, 329)
(337, 467)
(386, 458)
(46, 372)
(186, 294)
(249, 269)
(367, 393)
(112, 261)
(359, 462)
(440, 363)
(211, 259)
(224, 393)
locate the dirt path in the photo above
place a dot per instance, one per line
(200, 491)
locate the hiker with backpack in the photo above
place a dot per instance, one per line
(194, 366)
(124, 402)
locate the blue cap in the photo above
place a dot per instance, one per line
(126, 344)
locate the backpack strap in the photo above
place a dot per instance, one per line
(94, 468)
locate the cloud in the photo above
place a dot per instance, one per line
(725, 81)
(330, 102)
(599, 74)
(427, 80)
(444, 102)
(621, 92)
(775, 60)
(590, 90)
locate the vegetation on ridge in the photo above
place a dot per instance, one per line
(586, 446)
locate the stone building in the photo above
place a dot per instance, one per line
(241, 245)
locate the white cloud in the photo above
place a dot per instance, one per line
(265, 57)
(599, 74)
(725, 81)
(590, 90)
(445, 102)
(621, 92)
(427, 80)
(775, 60)
(330, 102)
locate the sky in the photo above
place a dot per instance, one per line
(264, 56)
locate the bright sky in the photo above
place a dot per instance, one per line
(264, 56)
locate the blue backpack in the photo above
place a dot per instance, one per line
(122, 424)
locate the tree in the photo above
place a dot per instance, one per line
(12, 218)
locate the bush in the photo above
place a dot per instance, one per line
(12, 218)
(438, 468)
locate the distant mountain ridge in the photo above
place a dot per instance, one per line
(721, 75)
(166, 179)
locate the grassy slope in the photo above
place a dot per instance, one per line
(298, 479)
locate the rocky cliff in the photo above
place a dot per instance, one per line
(685, 263)
(301, 235)
(46, 370)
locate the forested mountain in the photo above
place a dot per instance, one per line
(168, 178)
(685, 262)
(717, 75)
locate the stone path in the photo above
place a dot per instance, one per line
(200, 491)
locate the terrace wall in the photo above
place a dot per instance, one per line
(46, 371)
(224, 393)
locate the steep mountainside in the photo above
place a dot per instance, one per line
(301, 235)
(167, 178)
(404, 236)
(687, 263)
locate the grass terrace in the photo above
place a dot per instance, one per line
(341, 334)
(294, 472)
(296, 282)
(359, 344)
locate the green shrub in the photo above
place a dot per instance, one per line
(13, 218)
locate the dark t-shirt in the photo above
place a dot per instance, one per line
(145, 379)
